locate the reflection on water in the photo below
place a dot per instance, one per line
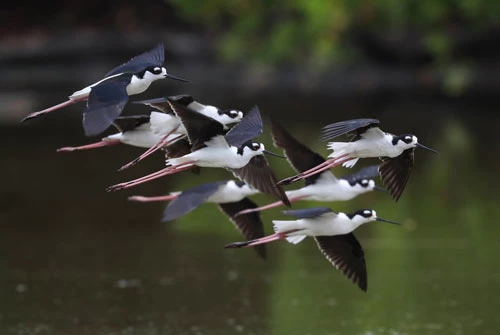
(77, 260)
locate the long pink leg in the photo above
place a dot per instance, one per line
(163, 142)
(332, 164)
(271, 205)
(140, 198)
(164, 172)
(103, 143)
(53, 108)
(262, 240)
(315, 170)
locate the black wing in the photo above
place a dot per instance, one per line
(250, 226)
(247, 129)
(200, 128)
(162, 104)
(159, 104)
(308, 213)
(154, 57)
(177, 149)
(346, 254)
(106, 102)
(346, 127)
(180, 148)
(126, 123)
(365, 173)
(300, 157)
(395, 172)
(258, 174)
(189, 200)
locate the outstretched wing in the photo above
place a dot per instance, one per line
(189, 200)
(200, 128)
(309, 213)
(177, 149)
(346, 254)
(300, 157)
(250, 225)
(395, 172)
(126, 123)
(154, 57)
(106, 102)
(162, 104)
(247, 129)
(258, 174)
(346, 127)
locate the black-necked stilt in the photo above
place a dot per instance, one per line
(333, 234)
(321, 187)
(107, 97)
(368, 140)
(133, 130)
(166, 124)
(233, 151)
(229, 195)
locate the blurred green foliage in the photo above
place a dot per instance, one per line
(315, 33)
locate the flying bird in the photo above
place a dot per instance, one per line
(333, 234)
(107, 97)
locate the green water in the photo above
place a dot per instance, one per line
(77, 260)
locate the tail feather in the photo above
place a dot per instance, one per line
(296, 239)
(285, 226)
(162, 124)
(351, 163)
(338, 148)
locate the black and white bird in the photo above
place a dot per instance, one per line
(132, 130)
(107, 97)
(231, 197)
(333, 234)
(368, 140)
(212, 147)
(324, 186)
(168, 126)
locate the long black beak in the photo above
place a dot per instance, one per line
(380, 189)
(176, 78)
(388, 221)
(424, 147)
(272, 154)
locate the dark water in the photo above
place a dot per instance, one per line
(77, 260)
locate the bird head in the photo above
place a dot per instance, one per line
(229, 116)
(252, 149)
(153, 73)
(363, 185)
(407, 141)
(367, 215)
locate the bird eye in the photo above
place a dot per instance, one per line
(364, 182)
(157, 70)
(367, 213)
(255, 146)
(233, 113)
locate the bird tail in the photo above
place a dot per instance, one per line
(162, 123)
(286, 227)
(341, 149)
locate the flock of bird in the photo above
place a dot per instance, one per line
(194, 136)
